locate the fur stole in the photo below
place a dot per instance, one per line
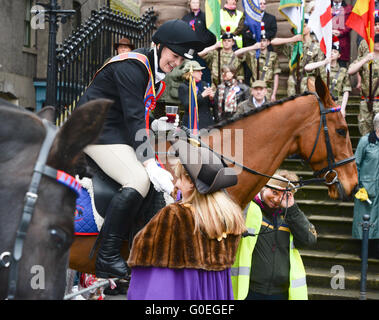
(169, 241)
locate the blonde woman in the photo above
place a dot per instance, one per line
(185, 252)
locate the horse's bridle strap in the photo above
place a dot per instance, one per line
(332, 164)
(31, 197)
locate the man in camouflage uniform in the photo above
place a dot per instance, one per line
(368, 107)
(211, 56)
(268, 70)
(311, 53)
(363, 49)
(339, 80)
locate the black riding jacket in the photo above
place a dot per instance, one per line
(125, 83)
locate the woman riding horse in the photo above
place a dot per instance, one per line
(130, 80)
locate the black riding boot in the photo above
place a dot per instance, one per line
(119, 218)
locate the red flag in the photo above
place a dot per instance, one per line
(320, 23)
(362, 21)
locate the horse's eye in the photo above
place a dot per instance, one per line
(341, 132)
(59, 237)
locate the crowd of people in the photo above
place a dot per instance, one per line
(236, 51)
(210, 260)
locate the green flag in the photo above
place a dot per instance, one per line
(212, 16)
(293, 11)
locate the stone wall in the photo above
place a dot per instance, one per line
(20, 65)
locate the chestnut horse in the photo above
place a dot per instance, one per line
(37, 208)
(269, 135)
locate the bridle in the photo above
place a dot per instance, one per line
(332, 164)
(329, 169)
(31, 196)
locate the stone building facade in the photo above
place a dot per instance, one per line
(24, 46)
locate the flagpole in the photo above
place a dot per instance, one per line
(298, 80)
(193, 109)
(370, 88)
(219, 65)
(257, 69)
(328, 78)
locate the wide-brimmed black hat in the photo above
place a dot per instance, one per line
(178, 36)
(124, 42)
(206, 170)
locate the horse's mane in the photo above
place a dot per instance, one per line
(265, 106)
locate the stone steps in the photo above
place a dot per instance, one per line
(340, 280)
(326, 259)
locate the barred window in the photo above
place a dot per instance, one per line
(27, 27)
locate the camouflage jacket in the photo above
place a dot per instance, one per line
(268, 66)
(211, 60)
(311, 53)
(365, 75)
(339, 81)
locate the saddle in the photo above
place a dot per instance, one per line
(104, 187)
(103, 190)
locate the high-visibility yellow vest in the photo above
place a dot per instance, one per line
(232, 22)
(242, 265)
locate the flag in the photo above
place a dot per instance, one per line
(212, 17)
(362, 21)
(193, 110)
(293, 11)
(253, 18)
(320, 22)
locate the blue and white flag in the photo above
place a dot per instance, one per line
(253, 18)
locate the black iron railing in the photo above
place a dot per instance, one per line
(86, 50)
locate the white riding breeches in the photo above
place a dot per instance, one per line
(119, 162)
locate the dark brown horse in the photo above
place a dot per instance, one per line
(35, 257)
(267, 137)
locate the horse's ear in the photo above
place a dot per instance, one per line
(81, 129)
(323, 92)
(311, 85)
(47, 113)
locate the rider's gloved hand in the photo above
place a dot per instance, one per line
(160, 178)
(162, 125)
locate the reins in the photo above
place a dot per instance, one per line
(299, 183)
(332, 164)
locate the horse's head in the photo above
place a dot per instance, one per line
(42, 256)
(327, 145)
